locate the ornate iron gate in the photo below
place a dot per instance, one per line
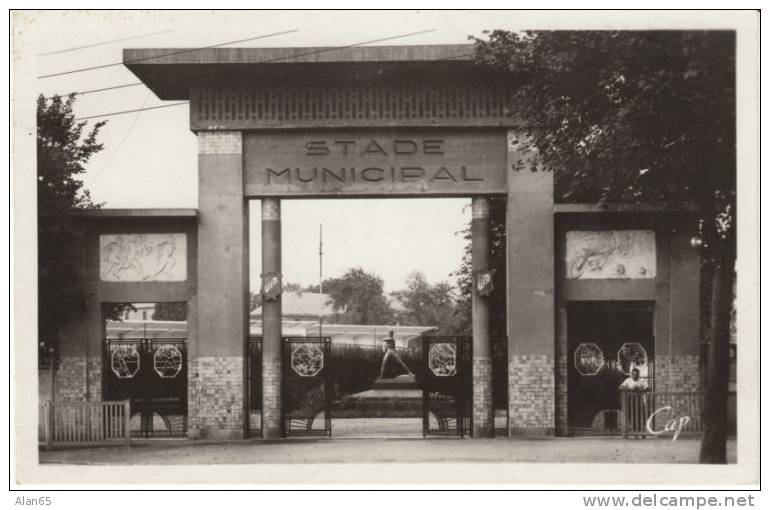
(254, 428)
(152, 373)
(307, 386)
(447, 386)
(605, 341)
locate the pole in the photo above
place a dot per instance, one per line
(483, 406)
(320, 276)
(272, 426)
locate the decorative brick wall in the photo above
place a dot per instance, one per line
(531, 394)
(220, 142)
(678, 372)
(271, 397)
(71, 377)
(483, 405)
(215, 406)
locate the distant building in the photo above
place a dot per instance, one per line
(301, 312)
(303, 306)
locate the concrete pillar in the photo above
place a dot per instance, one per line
(483, 406)
(531, 300)
(271, 319)
(217, 362)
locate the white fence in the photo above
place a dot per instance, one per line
(84, 423)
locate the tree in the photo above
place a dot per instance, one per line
(170, 311)
(427, 305)
(639, 117)
(358, 298)
(464, 275)
(255, 298)
(63, 149)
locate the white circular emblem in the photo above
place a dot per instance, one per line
(631, 355)
(442, 359)
(589, 359)
(307, 360)
(167, 361)
(124, 361)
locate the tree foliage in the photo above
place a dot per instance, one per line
(426, 304)
(464, 274)
(358, 298)
(63, 149)
(170, 311)
(626, 116)
(638, 116)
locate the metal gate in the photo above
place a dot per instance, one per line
(307, 386)
(152, 374)
(605, 341)
(447, 386)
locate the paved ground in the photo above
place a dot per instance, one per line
(291, 451)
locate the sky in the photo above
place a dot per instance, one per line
(150, 158)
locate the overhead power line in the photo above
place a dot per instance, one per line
(282, 87)
(102, 43)
(188, 50)
(120, 144)
(131, 111)
(272, 60)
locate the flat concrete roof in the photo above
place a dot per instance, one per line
(135, 213)
(168, 72)
(319, 54)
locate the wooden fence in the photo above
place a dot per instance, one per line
(85, 423)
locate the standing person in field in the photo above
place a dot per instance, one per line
(392, 364)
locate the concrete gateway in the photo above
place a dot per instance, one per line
(590, 292)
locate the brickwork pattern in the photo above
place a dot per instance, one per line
(531, 394)
(220, 142)
(216, 397)
(271, 397)
(677, 372)
(483, 404)
(71, 376)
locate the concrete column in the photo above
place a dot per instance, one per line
(531, 300)
(483, 406)
(217, 362)
(271, 320)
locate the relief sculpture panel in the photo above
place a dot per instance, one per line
(605, 254)
(143, 257)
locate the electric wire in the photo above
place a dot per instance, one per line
(268, 61)
(282, 87)
(187, 50)
(65, 50)
(93, 179)
(122, 112)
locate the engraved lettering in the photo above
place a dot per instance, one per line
(309, 179)
(345, 144)
(433, 146)
(316, 148)
(412, 173)
(270, 171)
(365, 174)
(374, 148)
(469, 179)
(444, 175)
(340, 177)
(404, 147)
